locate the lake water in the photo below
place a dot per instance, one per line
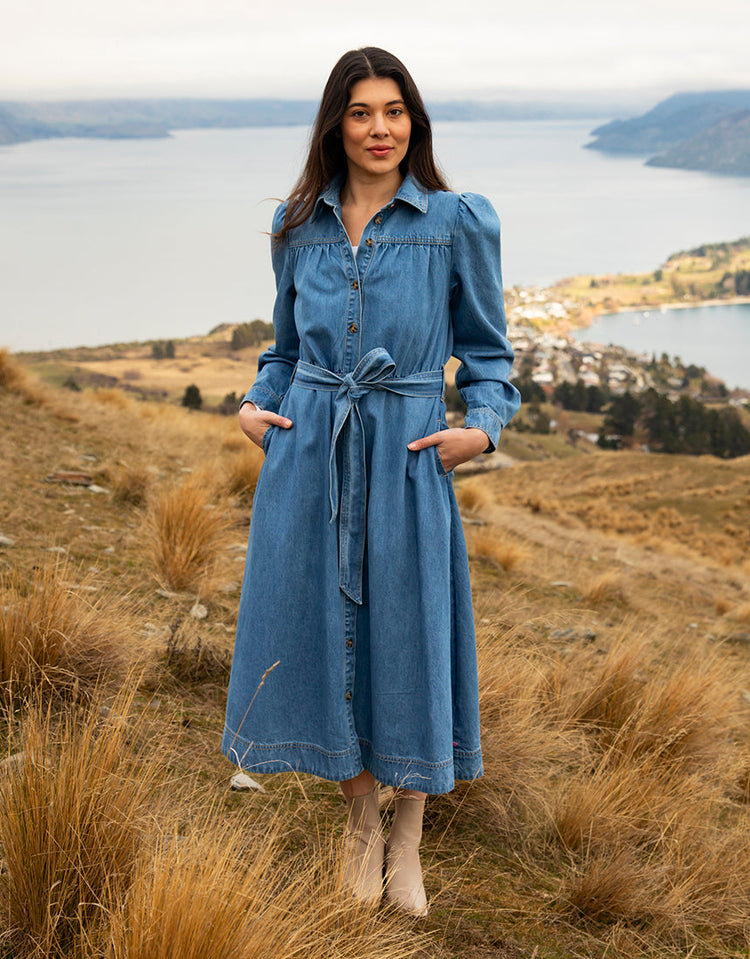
(717, 337)
(108, 241)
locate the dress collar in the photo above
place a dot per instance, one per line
(410, 191)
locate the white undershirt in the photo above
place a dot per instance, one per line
(354, 250)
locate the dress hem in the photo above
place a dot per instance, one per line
(337, 766)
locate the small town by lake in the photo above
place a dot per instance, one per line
(716, 337)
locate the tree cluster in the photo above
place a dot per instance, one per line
(579, 397)
(682, 426)
(251, 334)
(740, 280)
(163, 351)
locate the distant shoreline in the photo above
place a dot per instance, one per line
(663, 307)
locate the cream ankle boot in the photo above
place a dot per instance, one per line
(364, 846)
(404, 888)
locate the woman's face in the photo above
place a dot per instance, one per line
(376, 128)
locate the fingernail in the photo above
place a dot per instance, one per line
(412, 446)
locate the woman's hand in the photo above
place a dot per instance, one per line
(454, 446)
(255, 422)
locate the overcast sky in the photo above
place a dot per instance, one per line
(454, 48)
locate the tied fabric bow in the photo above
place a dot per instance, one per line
(373, 372)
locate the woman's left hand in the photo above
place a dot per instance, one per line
(454, 446)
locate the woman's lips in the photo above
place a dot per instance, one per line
(379, 151)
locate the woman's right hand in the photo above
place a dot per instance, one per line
(255, 422)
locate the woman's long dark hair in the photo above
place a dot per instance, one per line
(326, 155)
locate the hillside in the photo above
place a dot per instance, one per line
(612, 600)
(697, 131)
(722, 148)
(711, 272)
(113, 119)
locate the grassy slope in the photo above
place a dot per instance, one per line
(685, 278)
(583, 568)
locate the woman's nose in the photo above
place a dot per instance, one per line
(379, 126)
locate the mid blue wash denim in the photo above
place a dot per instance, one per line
(357, 579)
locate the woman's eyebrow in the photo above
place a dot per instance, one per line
(390, 103)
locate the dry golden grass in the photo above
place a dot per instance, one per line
(113, 397)
(741, 614)
(722, 605)
(521, 741)
(494, 547)
(605, 588)
(55, 633)
(613, 817)
(186, 532)
(73, 808)
(15, 379)
(610, 886)
(472, 496)
(241, 470)
(599, 693)
(627, 802)
(130, 484)
(234, 895)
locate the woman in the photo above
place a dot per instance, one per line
(357, 581)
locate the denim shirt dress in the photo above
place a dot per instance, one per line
(357, 578)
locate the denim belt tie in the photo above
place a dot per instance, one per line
(373, 372)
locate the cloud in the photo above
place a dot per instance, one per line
(233, 48)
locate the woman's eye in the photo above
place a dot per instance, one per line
(358, 114)
(396, 112)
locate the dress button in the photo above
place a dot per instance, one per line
(352, 327)
(349, 643)
(378, 220)
(348, 694)
(355, 285)
(368, 241)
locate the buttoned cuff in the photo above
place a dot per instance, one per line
(264, 399)
(486, 419)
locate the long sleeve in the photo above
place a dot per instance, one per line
(478, 319)
(276, 365)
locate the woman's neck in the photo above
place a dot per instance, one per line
(369, 194)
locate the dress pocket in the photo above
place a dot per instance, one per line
(441, 470)
(267, 439)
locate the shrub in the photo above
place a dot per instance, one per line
(192, 398)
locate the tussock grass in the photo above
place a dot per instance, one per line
(521, 740)
(605, 588)
(624, 803)
(610, 887)
(473, 496)
(130, 484)
(723, 605)
(242, 469)
(185, 534)
(72, 811)
(234, 442)
(56, 636)
(114, 398)
(493, 547)
(600, 694)
(192, 659)
(741, 614)
(230, 895)
(15, 379)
